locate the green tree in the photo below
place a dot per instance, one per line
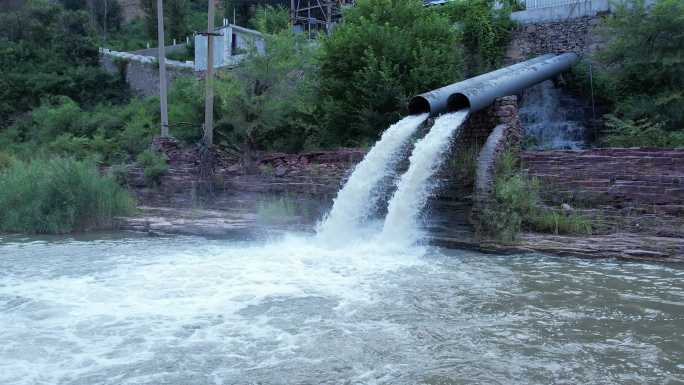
(149, 8)
(58, 53)
(176, 18)
(111, 9)
(384, 52)
(177, 14)
(644, 61)
(270, 19)
(485, 31)
(264, 101)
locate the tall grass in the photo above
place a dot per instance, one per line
(59, 195)
(516, 205)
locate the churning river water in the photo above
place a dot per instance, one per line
(191, 311)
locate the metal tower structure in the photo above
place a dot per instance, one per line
(315, 16)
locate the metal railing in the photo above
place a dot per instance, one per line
(534, 4)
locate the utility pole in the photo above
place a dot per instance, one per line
(105, 21)
(209, 103)
(162, 70)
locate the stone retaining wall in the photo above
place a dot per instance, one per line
(632, 188)
(574, 35)
(316, 174)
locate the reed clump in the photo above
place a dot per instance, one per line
(516, 206)
(59, 195)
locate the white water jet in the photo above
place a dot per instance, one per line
(355, 201)
(415, 186)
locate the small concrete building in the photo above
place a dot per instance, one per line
(231, 44)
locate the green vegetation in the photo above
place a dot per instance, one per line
(485, 31)
(264, 102)
(47, 50)
(516, 205)
(640, 133)
(176, 15)
(384, 52)
(640, 74)
(59, 195)
(154, 166)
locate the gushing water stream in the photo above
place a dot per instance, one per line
(355, 201)
(415, 186)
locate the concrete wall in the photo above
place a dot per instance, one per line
(224, 54)
(142, 72)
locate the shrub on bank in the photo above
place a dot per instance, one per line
(154, 166)
(59, 195)
(639, 74)
(516, 205)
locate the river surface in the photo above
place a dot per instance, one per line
(123, 309)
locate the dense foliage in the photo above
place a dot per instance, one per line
(46, 50)
(266, 102)
(639, 74)
(388, 50)
(645, 60)
(485, 31)
(59, 195)
(384, 52)
(176, 18)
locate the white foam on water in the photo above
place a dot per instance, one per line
(124, 324)
(415, 186)
(355, 201)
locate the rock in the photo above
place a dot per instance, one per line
(566, 207)
(280, 171)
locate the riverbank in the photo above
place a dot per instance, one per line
(292, 191)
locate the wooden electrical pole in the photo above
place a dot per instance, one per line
(162, 70)
(209, 103)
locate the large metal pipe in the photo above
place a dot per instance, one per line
(479, 92)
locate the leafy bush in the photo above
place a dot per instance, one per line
(640, 73)
(516, 205)
(640, 133)
(263, 102)
(384, 52)
(6, 160)
(186, 109)
(120, 173)
(485, 31)
(58, 53)
(154, 166)
(59, 195)
(270, 19)
(59, 126)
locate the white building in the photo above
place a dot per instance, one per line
(231, 45)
